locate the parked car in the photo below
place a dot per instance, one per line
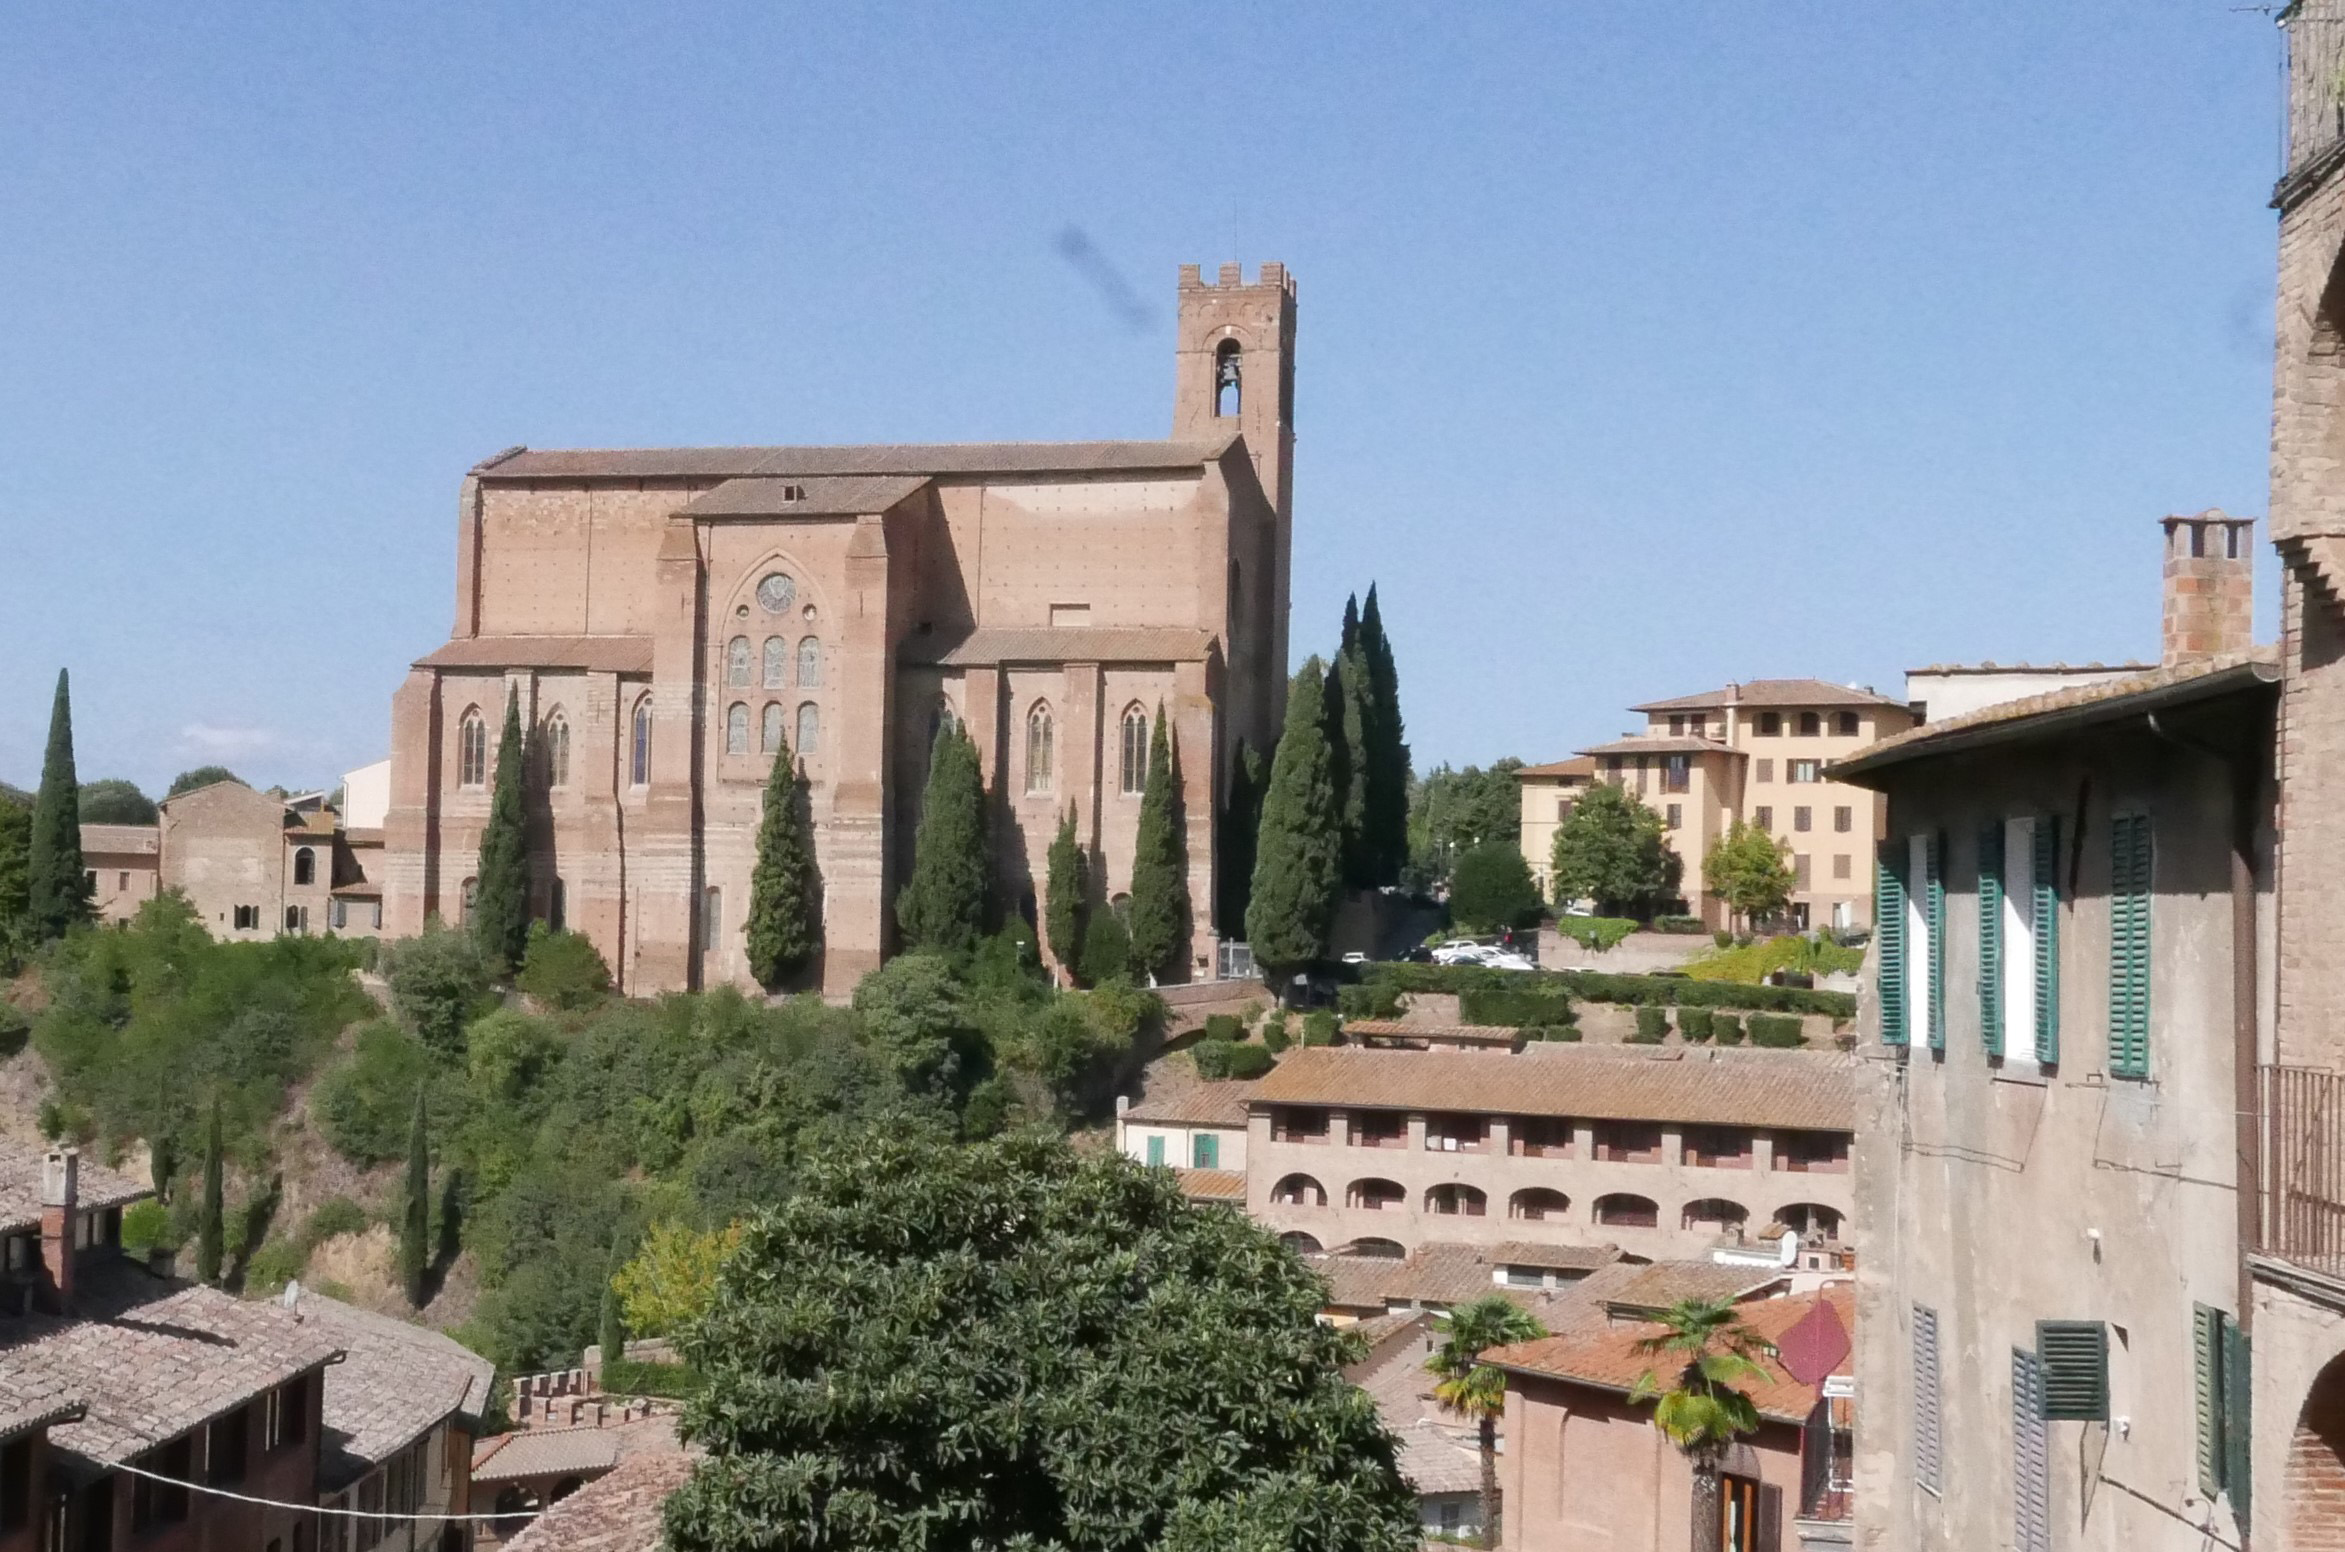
(1419, 955)
(1355, 957)
(1506, 959)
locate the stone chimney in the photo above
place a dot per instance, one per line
(60, 1205)
(2210, 585)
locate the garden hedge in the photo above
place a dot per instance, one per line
(1228, 1059)
(1632, 990)
(1778, 1031)
(1511, 1009)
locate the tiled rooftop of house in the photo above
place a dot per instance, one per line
(1211, 1103)
(1432, 1461)
(1445, 1273)
(541, 1452)
(1670, 1282)
(618, 1512)
(1662, 743)
(1213, 1185)
(1765, 693)
(1608, 1357)
(396, 1382)
(150, 1358)
(698, 463)
(1580, 766)
(20, 1187)
(1807, 1091)
(1439, 1034)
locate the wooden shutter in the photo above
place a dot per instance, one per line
(1991, 938)
(2206, 1344)
(2075, 1358)
(2044, 920)
(1889, 941)
(2238, 1432)
(2031, 1457)
(1934, 906)
(2129, 945)
(1928, 1436)
(1770, 1536)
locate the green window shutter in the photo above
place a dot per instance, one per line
(1889, 942)
(2238, 1432)
(1991, 938)
(1207, 1150)
(1156, 1150)
(2206, 1352)
(2129, 945)
(2044, 920)
(2075, 1356)
(1934, 903)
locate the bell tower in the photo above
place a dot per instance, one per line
(1234, 370)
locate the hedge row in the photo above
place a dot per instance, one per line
(1369, 1000)
(1633, 990)
(1511, 1009)
(670, 1381)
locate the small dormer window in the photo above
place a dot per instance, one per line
(1225, 378)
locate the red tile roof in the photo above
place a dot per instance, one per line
(1205, 1103)
(1773, 694)
(590, 654)
(617, 1512)
(1450, 1034)
(974, 458)
(1212, 1185)
(1578, 765)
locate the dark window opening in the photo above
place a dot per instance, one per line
(305, 866)
(1225, 379)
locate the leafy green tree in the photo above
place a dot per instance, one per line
(1069, 895)
(500, 900)
(1347, 746)
(1159, 920)
(1614, 851)
(111, 800)
(1699, 1408)
(672, 1277)
(211, 1224)
(1075, 1406)
(1451, 812)
(1385, 817)
(563, 970)
(1492, 888)
(1466, 1385)
(201, 776)
(1107, 949)
(437, 979)
(1241, 818)
(942, 905)
(1750, 870)
(415, 1206)
(913, 1015)
(57, 889)
(785, 888)
(1298, 864)
(16, 838)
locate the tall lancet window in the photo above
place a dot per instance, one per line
(1039, 748)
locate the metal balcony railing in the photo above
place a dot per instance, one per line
(2300, 1113)
(2316, 79)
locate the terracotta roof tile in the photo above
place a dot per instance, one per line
(396, 1382)
(1061, 644)
(618, 1512)
(1454, 1034)
(1670, 1282)
(1608, 1357)
(825, 495)
(1212, 1185)
(1809, 1091)
(538, 1452)
(1558, 1258)
(977, 458)
(1771, 694)
(590, 654)
(150, 1358)
(1432, 1461)
(20, 1187)
(1578, 765)
(1664, 743)
(117, 840)
(1209, 1103)
(1447, 1273)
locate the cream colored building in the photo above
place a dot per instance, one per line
(1754, 751)
(250, 865)
(1549, 793)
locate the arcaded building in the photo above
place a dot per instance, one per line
(667, 618)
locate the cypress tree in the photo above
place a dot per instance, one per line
(500, 898)
(1240, 816)
(1347, 738)
(1159, 922)
(1298, 864)
(785, 891)
(415, 1205)
(211, 1224)
(942, 905)
(1069, 897)
(1386, 816)
(610, 1327)
(57, 891)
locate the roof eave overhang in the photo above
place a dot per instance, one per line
(2069, 719)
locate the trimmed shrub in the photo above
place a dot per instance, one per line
(1694, 1023)
(1369, 999)
(1513, 1009)
(1777, 1031)
(146, 1225)
(562, 970)
(1223, 1026)
(1596, 933)
(1319, 1028)
(1722, 939)
(1726, 1028)
(1652, 1026)
(1598, 986)
(1274, 1035)
(1229, 1059)
(1685, 924)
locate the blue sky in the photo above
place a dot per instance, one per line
(1641, 348)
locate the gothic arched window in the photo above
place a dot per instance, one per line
(737, 728)
(770, 728)
(809, 728)
(1135, 751)
(777, 662)
(472, 750)
(1039, 748)
(557, 748)
(810, 664)
(737, 663)
(639, 745)
(305, 866)
(1225, 378)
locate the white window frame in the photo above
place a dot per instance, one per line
(2019, 946)
(1917, 941)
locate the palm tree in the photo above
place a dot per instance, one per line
(1468, 1386)
(1699, 1410)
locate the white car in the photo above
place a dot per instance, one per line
(1355, 957)
(1460, 954)
(1507, 959)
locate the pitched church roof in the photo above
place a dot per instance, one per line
(933, 458)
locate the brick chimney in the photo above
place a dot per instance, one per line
(2210, 585)
(60, 1204)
